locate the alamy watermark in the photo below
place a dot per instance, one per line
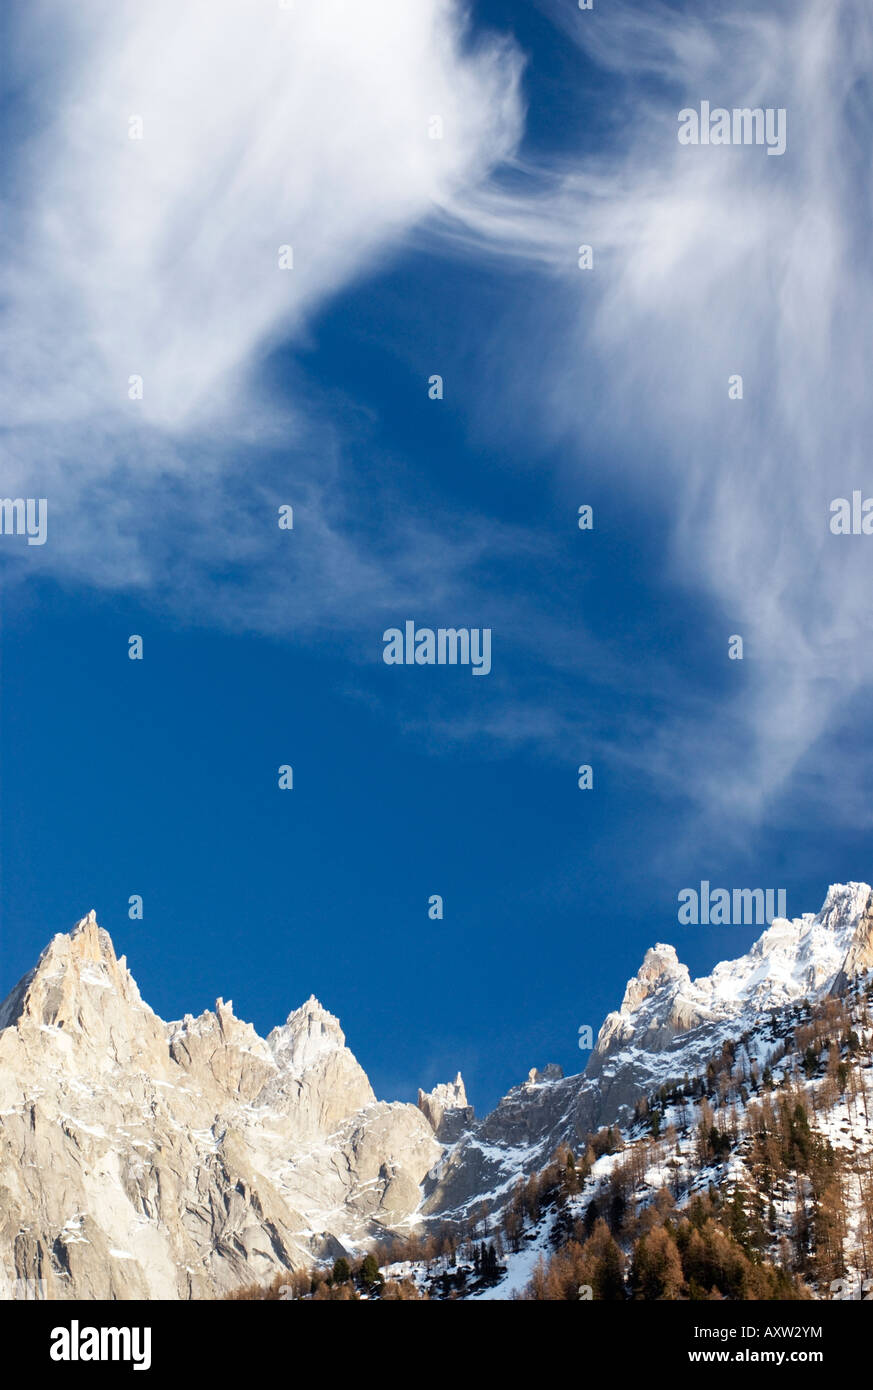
(24, 516)
(743, 125)
(852, 518)
(843, 1290)
(76, 1343)
(443, 646)
(725, 907)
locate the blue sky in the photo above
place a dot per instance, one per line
(562, 387)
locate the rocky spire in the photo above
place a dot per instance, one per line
(81, 986)
(446, 1108)
(660, 965)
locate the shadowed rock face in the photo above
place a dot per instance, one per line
(140, 1159)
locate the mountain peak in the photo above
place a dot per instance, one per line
(452, 1095)
(660, 965)
(89, 941)
(81, 995)
(803, 957)
(308, 1034)
(446, 1108)
(844, 902)
(183, 1159)
(71, 964)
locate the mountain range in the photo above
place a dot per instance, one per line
(145, 1159)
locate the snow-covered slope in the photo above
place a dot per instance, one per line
(667, 1027)
(790, 960)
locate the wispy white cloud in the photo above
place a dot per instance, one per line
(263, 126)
(308, 127)
(709, 262)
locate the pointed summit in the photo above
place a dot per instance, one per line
(81, 988)
(317, 1075)
(308, 1034)
(446, 1108)
(660, 965)
(90, 941)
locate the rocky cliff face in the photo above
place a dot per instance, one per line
(859, 956)
(141, 1159)
(144, 1159)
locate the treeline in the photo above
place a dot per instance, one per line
(786, 1227)
(344, 1283)
(687, 1256)
(619, 1248)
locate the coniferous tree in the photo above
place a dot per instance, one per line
(370, 1277)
